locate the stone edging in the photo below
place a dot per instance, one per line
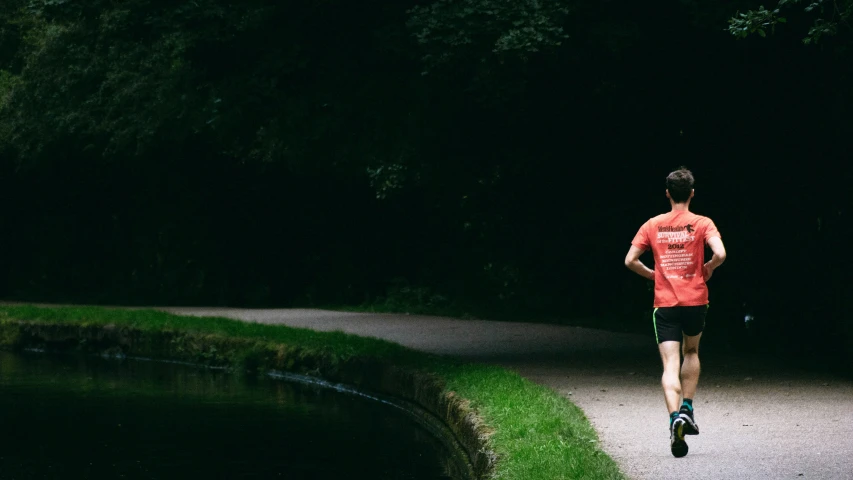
(417, 389)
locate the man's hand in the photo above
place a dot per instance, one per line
(632, 261)
(719, 257)
(707, 271)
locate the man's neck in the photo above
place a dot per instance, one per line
(680, 207)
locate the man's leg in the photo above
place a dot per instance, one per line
(670, 354)
(689, 379)
(693, 323)
(668, 335)
(690, 368)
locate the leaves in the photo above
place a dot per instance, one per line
(480, 29)
(123, 80)
(757, 21)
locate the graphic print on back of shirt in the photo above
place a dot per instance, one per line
(677, 259)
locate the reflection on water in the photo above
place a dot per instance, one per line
(64, 417)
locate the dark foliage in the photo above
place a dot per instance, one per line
(491, 157)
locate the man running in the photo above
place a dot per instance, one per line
(677, 240)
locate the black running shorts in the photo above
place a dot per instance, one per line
(671, 322)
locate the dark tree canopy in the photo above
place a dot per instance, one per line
(453, 155)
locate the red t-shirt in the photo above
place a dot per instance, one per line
(677, 240)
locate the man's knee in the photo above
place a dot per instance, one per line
(690, 346)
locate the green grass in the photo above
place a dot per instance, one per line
(542, 434)
(537, 434)
(151, 320)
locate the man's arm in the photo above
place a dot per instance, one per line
(632, 261)
(719, 257)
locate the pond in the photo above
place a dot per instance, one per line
(75, 417)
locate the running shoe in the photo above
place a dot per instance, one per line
(677, 445)
(690, 425)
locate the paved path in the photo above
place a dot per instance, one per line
(758, 420)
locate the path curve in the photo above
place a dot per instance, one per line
(758, 420)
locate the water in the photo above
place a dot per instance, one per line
(68, 417)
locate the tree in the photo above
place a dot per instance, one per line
(832, 17)
(479, 29)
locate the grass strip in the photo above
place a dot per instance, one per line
(536, 433)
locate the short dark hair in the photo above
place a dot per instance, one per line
(680, 184)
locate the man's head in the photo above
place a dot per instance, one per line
(679, 185)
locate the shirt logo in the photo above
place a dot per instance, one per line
(675, 234)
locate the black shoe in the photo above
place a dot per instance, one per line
(677, 445)
(690, 425)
